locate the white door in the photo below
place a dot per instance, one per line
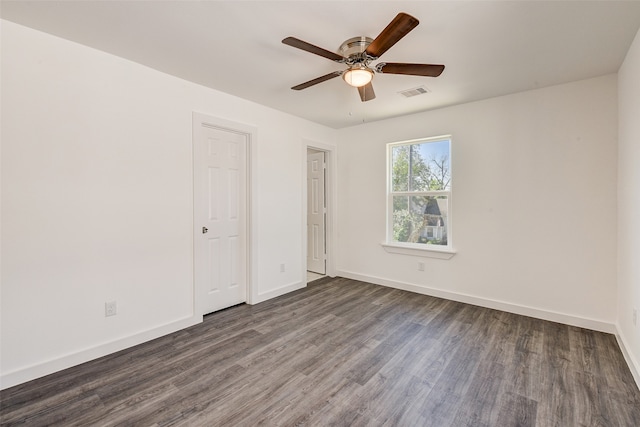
(220, 219)
(316, 213)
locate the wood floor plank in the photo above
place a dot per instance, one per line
(344, 352)
(482, 397)
(517, 411)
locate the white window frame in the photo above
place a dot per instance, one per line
(419, 249)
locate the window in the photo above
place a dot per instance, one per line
(419, 194)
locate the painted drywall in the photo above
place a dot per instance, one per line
(97, 200)
(534, 203)
(629, 204)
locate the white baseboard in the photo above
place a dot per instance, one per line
(596, 325)
(581, 322)
(36, 371)
(632, 362)
(279, 291)
(39, 370)
(29, 373)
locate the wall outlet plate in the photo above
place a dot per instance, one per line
(110, 308)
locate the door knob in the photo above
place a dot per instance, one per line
(204, 230)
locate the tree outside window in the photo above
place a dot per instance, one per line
(420, 192)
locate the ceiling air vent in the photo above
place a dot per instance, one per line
(420, 90)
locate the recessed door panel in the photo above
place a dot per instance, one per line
(233, 180)
(233, 261)
(214, 259)
(213, 188)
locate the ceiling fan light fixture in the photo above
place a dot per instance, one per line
(358, 53)
(358, 76)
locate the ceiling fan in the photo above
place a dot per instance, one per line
(359, 52)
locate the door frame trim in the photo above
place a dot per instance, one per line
(202, 119)
(331, 197)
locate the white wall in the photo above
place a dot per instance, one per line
(629, 204)
(97, 200)
(534, 203)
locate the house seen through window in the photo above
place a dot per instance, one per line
(419, 193)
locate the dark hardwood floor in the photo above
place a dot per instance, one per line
(346, 353)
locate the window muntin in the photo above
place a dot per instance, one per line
(419, 193)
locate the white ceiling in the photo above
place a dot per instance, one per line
(490, 48)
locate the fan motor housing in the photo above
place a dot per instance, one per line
(354, 46)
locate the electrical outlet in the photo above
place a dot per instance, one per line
(420, 266)
(281, 268)
(635, 317)
(110, 308)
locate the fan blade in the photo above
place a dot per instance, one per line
(292, 41)
(428, 70)
(397, 29)
(366, 92)
(317, 80)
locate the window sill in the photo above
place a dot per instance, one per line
(394, 248)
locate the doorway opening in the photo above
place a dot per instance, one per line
(316, 214)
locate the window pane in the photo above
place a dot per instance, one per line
(421, 167)
(429, 166)
(420, 219)
(400, 168)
